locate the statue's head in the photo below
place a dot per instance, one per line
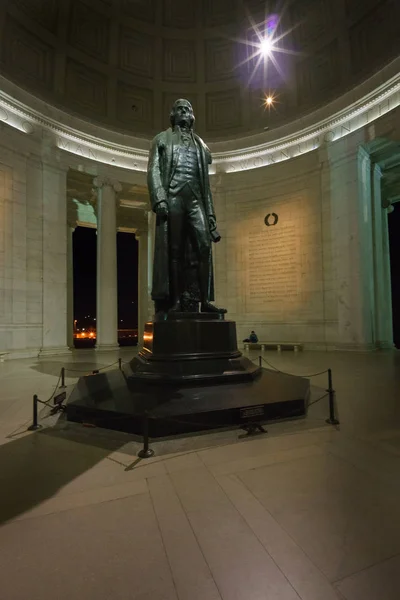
(182, 113)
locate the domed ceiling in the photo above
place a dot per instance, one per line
(121, 63)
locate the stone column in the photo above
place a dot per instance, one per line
(382, 281)
(54, 283)
(107, 302)
(142, 237)
(70, 287)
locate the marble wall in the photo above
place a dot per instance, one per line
(19, 233)
(310, 277)
(33, 255)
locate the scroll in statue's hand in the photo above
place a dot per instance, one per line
(212, 223)
(161, 209)
(215, 236)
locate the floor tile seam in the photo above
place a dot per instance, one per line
(395, 453)
(22, 377)
(81, 451)
(294, 434)
(277, 462)
(111, 485)
(244, 520)
(302, 550)
(339, 592)
(164, 459)
(16, 520)
(375, 444)
(170, 479)
(235, 443)
(377, 476)
(17, 405)
(22, 425)
(337, 582)
(380, 436)
(25, 431)
(101, 487)
(262, 451)
(160, 460)
(163, 542)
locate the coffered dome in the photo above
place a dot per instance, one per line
(121, 63)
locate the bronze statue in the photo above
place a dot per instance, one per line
(180, 195)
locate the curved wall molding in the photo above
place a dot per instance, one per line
(54, 127)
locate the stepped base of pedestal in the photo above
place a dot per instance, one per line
(188, 377)
(191, 347)
(108, 400)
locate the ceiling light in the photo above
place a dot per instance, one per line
(266, 46)
(269, 100)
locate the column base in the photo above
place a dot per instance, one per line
(385, 346)
(106, 347)
(54, 351)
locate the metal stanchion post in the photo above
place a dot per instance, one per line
(63, 378)
(120, 364)
(35, 425)
(332, 419)
(260, 361)
(145, 452)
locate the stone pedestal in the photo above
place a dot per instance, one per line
(192, 347)
(189, 377)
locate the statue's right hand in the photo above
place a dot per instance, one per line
(161, 209)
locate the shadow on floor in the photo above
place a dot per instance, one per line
(33, 468)
(72, 369)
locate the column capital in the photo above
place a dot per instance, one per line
(103, 180)
(140, 232)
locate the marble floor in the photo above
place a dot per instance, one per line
(307, 511)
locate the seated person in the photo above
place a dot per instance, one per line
(252, 339)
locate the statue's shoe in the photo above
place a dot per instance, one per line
(207, 307)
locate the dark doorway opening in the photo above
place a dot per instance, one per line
(127, 261)
(394, 245)
(84, 264)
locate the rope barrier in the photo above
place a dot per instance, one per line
(286, 373)
(56, 388)
(45, 402)
(318, 399)
(108, 366)
(91, 370)
(76, 370)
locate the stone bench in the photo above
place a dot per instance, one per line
(296, 346)
(3, 356)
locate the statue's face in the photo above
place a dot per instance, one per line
(183, 114)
